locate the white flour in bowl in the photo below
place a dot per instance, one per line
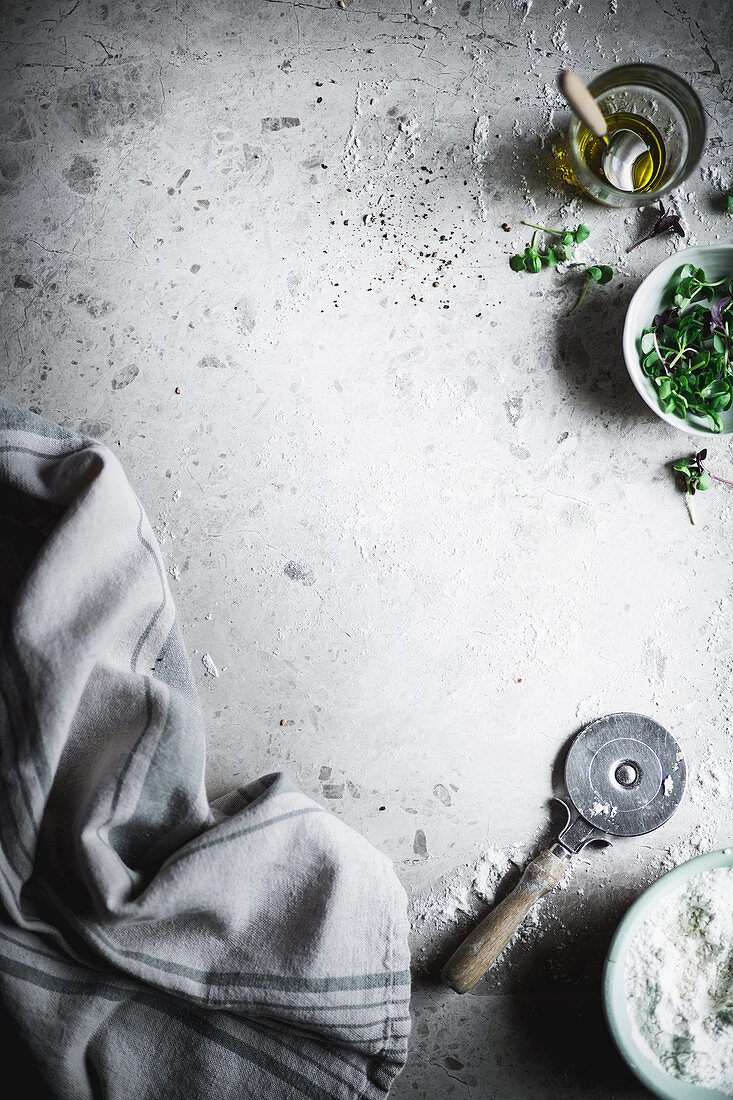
(679, 982)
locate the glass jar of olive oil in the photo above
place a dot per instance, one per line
(658, 106)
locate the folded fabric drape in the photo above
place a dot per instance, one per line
(154, 945)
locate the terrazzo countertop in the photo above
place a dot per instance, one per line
(418, 524)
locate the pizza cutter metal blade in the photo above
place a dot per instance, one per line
(625, 775)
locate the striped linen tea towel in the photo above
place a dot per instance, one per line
(154, 945)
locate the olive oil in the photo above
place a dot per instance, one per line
(648, 168)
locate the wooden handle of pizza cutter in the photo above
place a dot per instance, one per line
(582, 102)
(484, 945)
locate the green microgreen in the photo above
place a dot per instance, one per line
(596, 274)
(693, 284)
(730, 204)
(687, 351)
(533, 259)
(569, 236)
(696, 477)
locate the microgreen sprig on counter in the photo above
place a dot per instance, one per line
(569, 236)
(666, 223)
(696, 477)
(596, 274)
(687, 351)
(533, 260)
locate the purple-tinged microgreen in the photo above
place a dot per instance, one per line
(666, 223)
(700, 456)
(716, 315)
(696, 477)
(665, 318)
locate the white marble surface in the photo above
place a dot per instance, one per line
(424, 533)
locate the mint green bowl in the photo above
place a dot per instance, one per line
(614, 991)
(653, 296)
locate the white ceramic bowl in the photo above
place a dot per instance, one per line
(614, 989)
(653, 296)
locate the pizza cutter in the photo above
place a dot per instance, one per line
(625, 775)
